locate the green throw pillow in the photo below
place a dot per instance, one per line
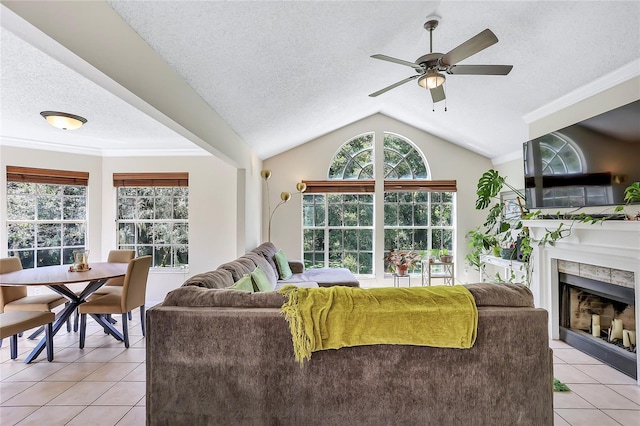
(284, 270)
(260, 280)
(243, 284)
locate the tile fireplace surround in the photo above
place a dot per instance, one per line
(613, 246)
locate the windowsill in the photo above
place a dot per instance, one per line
(169, 270)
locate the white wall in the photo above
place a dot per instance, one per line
(213, 217)
(311, 161)
(513, 171)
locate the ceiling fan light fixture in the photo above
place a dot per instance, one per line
(63, 120)
(431, 80)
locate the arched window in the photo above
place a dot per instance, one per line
(338, 214)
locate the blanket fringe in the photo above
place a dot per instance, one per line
(290, 309)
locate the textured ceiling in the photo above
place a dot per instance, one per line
(283, 73)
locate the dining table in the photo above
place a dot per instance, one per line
(56, 277)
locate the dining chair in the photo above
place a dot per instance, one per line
(133, 296)
(15, 298)
(13, 323)
(113, 285)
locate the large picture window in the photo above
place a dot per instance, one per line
(153, 216)
(338, 214)
(46, 215)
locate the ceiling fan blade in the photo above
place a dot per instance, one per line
(437, 94)
(393, 86)
(480, 69)
(398, 61)
(470, 47)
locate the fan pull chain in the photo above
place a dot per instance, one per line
(445, 98)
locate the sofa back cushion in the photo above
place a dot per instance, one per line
(267, 250)
(284, 270)
(513, 295)
(260, 280)
(243, 284)
(204, 297)
(238, 267)
(212, 279)
(260, 261)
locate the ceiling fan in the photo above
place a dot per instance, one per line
(431, 66)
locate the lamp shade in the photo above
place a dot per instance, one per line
(63, 120)
(431, 80)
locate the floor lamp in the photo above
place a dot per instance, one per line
(284, 196)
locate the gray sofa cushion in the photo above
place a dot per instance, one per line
(239, 267)
(202, 297)
(262, 262)
(219, 278)
(327, 277)
(267, 250)
(501, 295)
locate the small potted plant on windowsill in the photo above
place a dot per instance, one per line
(401, 260)
(445, 257)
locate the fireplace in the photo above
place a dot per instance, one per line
(599, 319)
(607, 252)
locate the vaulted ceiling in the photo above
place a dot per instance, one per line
(283, 73)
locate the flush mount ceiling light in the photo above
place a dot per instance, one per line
(63, 120)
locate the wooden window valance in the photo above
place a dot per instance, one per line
(58, 177)
(420, 185)
(151, 179)
(333, 186)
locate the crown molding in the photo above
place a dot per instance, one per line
(515, 155)
(625, 73)
(97, 152)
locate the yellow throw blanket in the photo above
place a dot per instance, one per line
(336, 317)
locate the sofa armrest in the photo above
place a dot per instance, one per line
(297, 266)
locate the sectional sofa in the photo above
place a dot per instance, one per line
(225, 357)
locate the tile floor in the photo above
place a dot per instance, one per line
(104, 384)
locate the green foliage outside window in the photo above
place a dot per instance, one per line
(154, 221)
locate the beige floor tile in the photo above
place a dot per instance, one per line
(606, 375)
(557, 360)
(569, 374)
(111, 372)
(82, 393)
(625, 417)
(9, 368)
(101, 355)
(142, 402)
(51, 416)
(582, 417)
(131, 355)
(98, 340)
(9, 416)
(36, 372)
(631, 392)
(602, 397)
(139, 374)
(559, 421)
(569, 400)
(135, 417)
(122, 393)
(74, 372)
(100, 415)
(574, 356)
(38, 394)
(139, 344)
(71, 354)
(559, 344)
(10, 389)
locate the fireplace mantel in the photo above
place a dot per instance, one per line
(610, 244)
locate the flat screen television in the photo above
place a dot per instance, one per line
(589, 163)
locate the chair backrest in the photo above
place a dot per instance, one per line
(135, 283)
(10, 293)
(119, 256)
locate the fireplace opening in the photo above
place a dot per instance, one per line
(599, 319)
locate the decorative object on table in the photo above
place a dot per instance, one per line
(80, 261)
(284, 196)
(445, 257)
(402, 260)
(508, 253)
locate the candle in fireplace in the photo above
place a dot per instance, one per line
(595, 330)
(616, 330)
(595, 319)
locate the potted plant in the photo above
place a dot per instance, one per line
(631, 195)
(445, 257)
(402, 260)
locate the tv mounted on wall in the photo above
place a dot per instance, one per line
(589, 163)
